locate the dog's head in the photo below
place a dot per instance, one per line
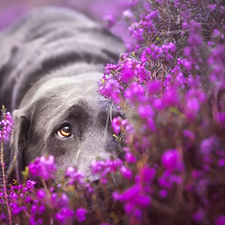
(64, 117)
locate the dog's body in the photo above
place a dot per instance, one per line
(50, 63)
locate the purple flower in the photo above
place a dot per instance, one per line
(172, 47)
(129, 207)
(110, 89)
(41, 209)
(216, 32)
(185, 25)
(165, 182)
(130, 158)
(28, 199)
(194, 40)
(151, 124)
(41, 194)
(158, 104)
(29, 185)
(128, 71)
(40, 221)
(133, 197)
(80, 214)
(136, 31)
(127, 173)
(221, 162)
(163, 193)
(146, 111)
(33, 220)
(220, 220)
(170, 159)
(104, 167)
(116, 196)
(138, 214)
(63, 214)
(154, 87)
(43, 167)
(171, 97)
(97, 166)
(89, 188)
(143, 200)
(188, 134)
(153, 14)
(221, 117)
(135, 92)
(17, 209)
(192, 108)
(34, 209)
(187, 64)
(6, 126)
(175, 179)
(127, 14)
(212, 7)
(130, 193)
(59, 201)
(198, 216)
(147, 174)
(110, 20)
(116, 123)
(75, 175)
(3, 217)
(207, 145)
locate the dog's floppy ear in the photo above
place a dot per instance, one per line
(18, 141)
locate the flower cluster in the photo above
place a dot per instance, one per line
(38, 203)
(105, 167)
(136, 197)
(75, 175)
(6, 125)
(173, 89)
(43, 167)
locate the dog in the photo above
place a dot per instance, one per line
(51, 61)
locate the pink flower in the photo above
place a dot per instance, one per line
(41, 194)
(80, 214)
(75, 175)
(130, 158)
(170, 159)
(220, 220)
(63, 214)
(147, 174)
(116, 123)
(6, 126)
(127, 173)
(44, 167)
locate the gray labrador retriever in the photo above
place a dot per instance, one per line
(50, 63)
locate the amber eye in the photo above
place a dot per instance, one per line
(64, 132)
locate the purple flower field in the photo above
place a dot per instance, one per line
(171, 85)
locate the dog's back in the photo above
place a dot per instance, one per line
(50, 39)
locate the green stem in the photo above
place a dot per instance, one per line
(4, 182)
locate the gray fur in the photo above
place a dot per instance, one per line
(50, 63)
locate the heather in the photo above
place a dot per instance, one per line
(171, 85)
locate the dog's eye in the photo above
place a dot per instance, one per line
(65, 131)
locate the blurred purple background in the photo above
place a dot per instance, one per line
(11, 10)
